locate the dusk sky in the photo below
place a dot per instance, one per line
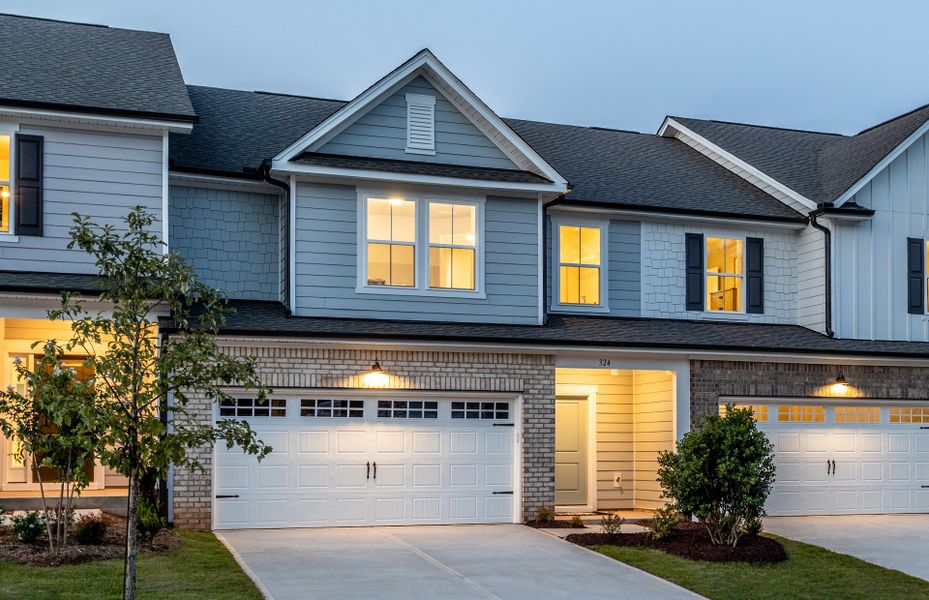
(826, 65)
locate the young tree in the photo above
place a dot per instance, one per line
(722, 474)
(54, 418)
(145, 383)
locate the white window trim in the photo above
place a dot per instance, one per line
(11, 129)
(421, 246)
(706, 274)
(604, 226)
(926, 277)
(420, 101)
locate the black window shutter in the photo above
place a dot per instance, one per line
(754, 275)
(28, 184)
(915, 276)
(694, 261)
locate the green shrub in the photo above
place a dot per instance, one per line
(721, 473)
(754, 526)
(577, 522)
(612, 524)
(90, 530)
(28, 527)
(663, 523)
(544, 515)
(148, 521)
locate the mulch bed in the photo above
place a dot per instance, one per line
(38, 555)
(690, 540)
(554, 524)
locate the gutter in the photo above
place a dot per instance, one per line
(827, 240)
(264, 173)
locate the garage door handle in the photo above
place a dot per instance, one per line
(502, 493)
(227, 495)
(368, 472)
(375, 470)
(828, 467)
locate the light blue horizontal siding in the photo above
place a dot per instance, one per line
(624, 267)
(381, 133)
(327, 264)
(230, 238)
(101, 175)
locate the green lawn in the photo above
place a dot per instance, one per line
(810, 572)
(201, 569)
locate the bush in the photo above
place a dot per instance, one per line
(148, 521)
(577, 522)
(721, 473)
(663, 523)
(544, 515)
(612, 524)
(28, 527)
(90, 530)
(754, 526)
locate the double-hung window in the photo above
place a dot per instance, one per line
(580, 269)
(6, 179)
(724, 274)
(421, 244)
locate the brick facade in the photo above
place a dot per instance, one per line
(710, 379)
(300, 367)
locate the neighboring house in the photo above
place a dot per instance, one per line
(465, 317)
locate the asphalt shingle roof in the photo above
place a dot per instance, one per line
(48, 283)
(240, 129)
(254, 318)
(90, 68)
(820, 166)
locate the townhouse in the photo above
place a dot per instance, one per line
(466, 317)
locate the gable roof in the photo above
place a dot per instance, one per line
(424, 63)
(823, 167)
(75, 67)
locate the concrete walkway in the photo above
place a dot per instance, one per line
(502, 562)
(898, 542)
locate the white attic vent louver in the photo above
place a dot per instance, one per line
(420, 124)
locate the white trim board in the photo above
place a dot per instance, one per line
(154, 126)
(736, 165)
(425, 63)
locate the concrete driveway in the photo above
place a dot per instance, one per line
(898, 542)
(505, 562)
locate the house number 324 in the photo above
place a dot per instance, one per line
(604, 362)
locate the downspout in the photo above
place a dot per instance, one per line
(545, 264)
(264, 171)
(827, 240)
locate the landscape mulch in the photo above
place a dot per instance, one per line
(38, 555)
(691, 540)
(554, 524)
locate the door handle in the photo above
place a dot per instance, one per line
(368, 471)
(833, 466)
(828, 467)
(375, 470)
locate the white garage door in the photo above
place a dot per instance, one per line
(835, 459)
(388, 460)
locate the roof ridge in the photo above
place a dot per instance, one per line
(774, 127)
(266, 93)
(892, 119)
(50, 20)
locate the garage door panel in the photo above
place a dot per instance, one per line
(463, 442)
(872, 443)
(313, 442)
(427, 442)
(922, 442)
(872, 472)
(313, 476)
(390, 475)
(350, 476)
(427, 475)
(352, 442)
(817, 443)
(390, 442)
(272, 477)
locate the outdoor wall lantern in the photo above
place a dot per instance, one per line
(376, 377)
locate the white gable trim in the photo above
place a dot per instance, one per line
(880, 166)
(766, 183)
(425, 63)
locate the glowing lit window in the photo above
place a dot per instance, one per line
(452, 245)
(5, 189)
(801, 414)
(579, 265)
(909, 414)
(759, 411)
(391, 238)
(724, 274)
(857, 414)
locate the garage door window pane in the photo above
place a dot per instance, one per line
(801, 414)
(329, 408)
(481, 410)
(759, 411)
(857, 414)
(252, 407)
(909, 414)
(407, 409)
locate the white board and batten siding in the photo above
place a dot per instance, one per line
(870, 256)
(98, 174)
(327, 255)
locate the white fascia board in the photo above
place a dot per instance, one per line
(91, 120)
(424, 59)
(165, 194)
(670, 123)
(356, 174)
(234, 184)
(667, 217)
(884, 162)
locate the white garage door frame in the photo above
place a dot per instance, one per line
(294, 395)
(832, 496)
